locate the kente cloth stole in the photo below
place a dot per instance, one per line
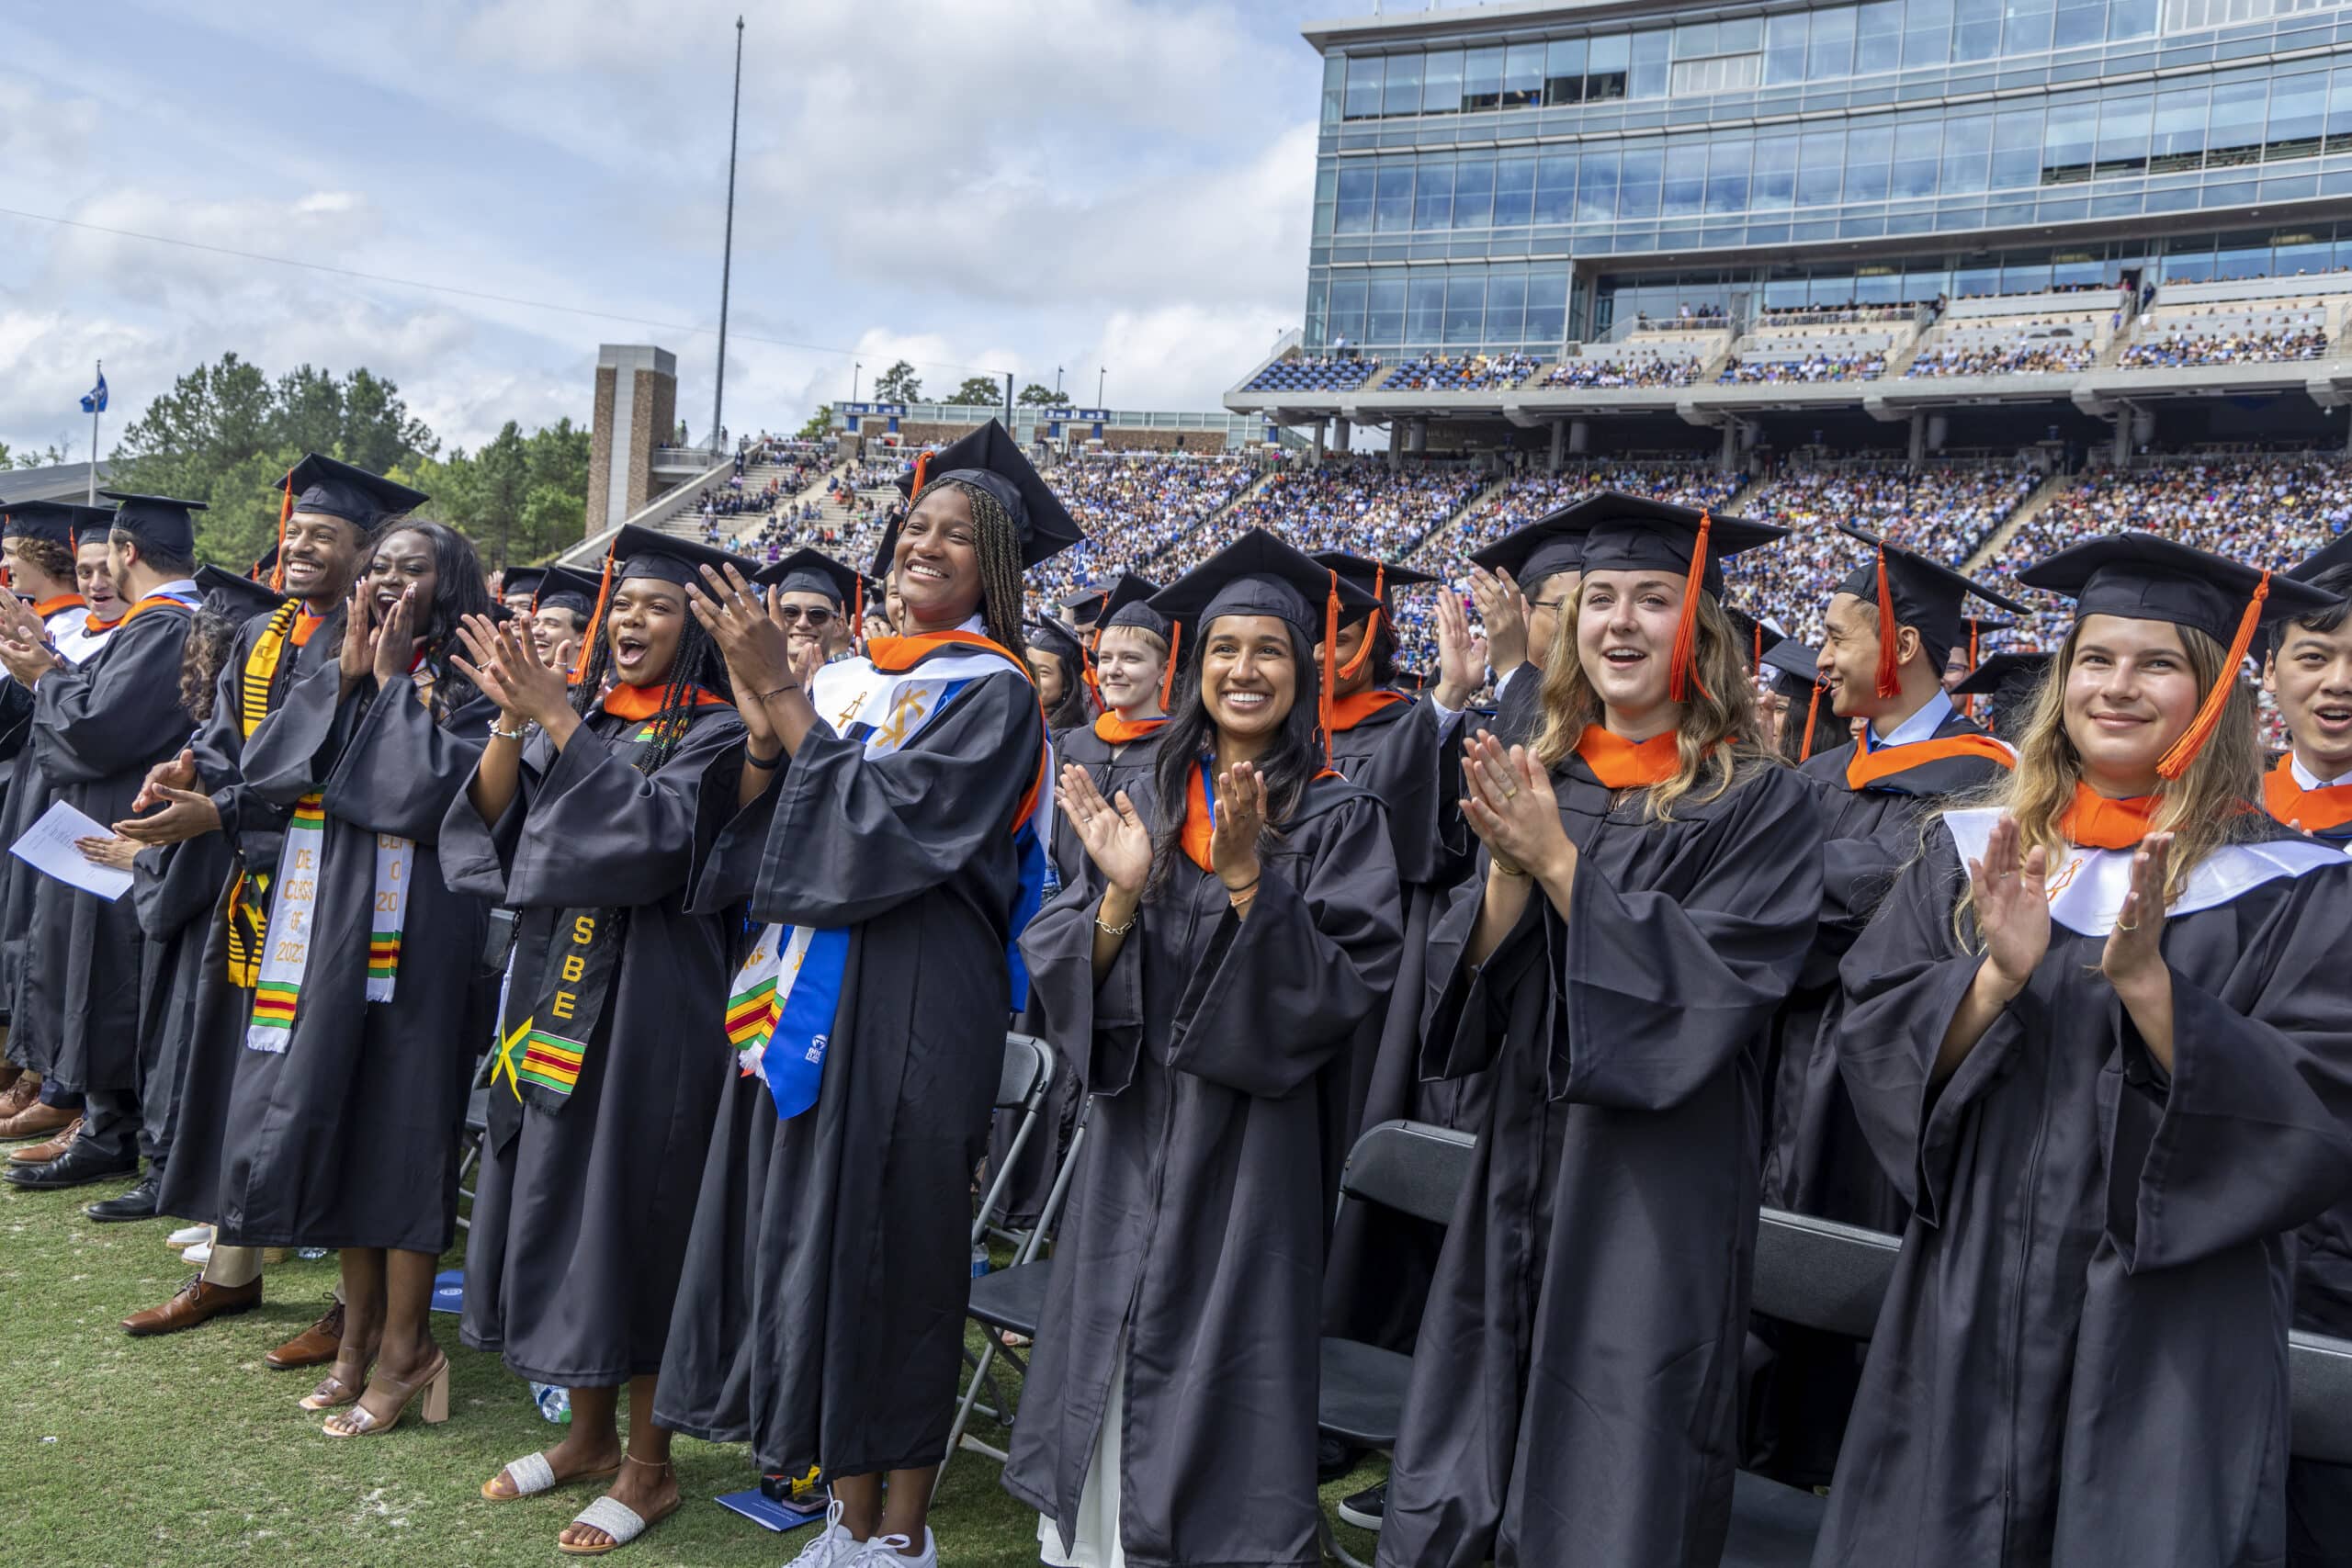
(285, 942)
(781, 1007)
(288, 625)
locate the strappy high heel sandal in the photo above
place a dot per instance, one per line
(620, 1523)
(360, 1422)
(332, 1392)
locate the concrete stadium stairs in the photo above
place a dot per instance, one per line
(2043, 494)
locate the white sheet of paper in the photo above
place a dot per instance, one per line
(48, 848)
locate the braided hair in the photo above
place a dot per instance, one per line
(696, 664)
(997, 545)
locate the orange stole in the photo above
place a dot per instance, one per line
(1866, 768)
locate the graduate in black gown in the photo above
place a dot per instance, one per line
(1647, 893)
(1522, 584)
(611, 1051)
(95, 730)
(1236, 926)
(1135, 671)
(328, 510)
(1802, 719)
(894, 847)
(367, 1007)
(1058, 659)
(2004, 688)
(2101, 1035)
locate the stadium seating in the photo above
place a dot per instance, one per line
(1470, 373)
(2035, 343)
(1324, 374)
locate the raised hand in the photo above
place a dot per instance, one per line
(179, 773)
(1512, 809)
(1461, 654)
(357, 655)
(480, 635)
(1116, 838)
(394, 641)
(185, 815)
(759, 656)
(2134, 950)
(2011, 886)
(1240, 819)
(28, 658)
(1502, 610)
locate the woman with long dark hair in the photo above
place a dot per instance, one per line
(351, 1090)
(1057, 662)
(581, 816)
(1235, 926)
(1645, 897)
(2099, 1035)
(888, 840)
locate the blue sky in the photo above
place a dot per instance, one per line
(981, 184)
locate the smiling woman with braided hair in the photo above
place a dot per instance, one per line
(888, 847)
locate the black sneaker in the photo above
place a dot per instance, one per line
(1363, 1510)
(1333, 1458)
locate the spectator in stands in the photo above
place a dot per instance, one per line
(2184, 349)
(2031, 357)
(1816, 367)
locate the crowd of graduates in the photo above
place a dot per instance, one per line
(729, 885)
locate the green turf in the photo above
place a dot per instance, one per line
(187, 1451)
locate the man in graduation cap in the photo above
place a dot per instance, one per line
(95, 577)
(816, 600)
(328, 510)
(1525, 584)
(95, 730)
(561, 602)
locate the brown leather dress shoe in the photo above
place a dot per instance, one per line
(24, 1092)
(197, 1302)
(36, 1121)
(314, 1346)
(41, 1154)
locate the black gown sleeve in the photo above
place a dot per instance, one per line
(377, 758)
(101, 721)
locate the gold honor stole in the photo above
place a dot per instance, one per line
(285, 942)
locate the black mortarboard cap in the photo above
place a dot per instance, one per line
(338, 489)
(1551, 544)
(2336, 554)
(1057, 640)
(1927, 595)
(1633, 533)
(813, 571)
(2000, 672)
(2143, 578)
(1375, 577)
(1755, 636)
(238, 599)
(54, 521)
(265, 566)
(648, 552)
(991, 459)
(97, 522)
(565, 588)
(157, 521)
(1795, 667)
(1260, 575)
(1087, 608)
(520, 580)
(1128, 603)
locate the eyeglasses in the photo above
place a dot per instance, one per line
(1554, 606)
(816, 619)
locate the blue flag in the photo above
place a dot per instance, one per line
(94, 399)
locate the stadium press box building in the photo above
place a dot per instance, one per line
(1902, 219)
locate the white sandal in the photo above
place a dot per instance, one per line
(532, 1474)
(618, 1520)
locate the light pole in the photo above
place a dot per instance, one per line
(1099, 374)
(726, 255)
(1058, 383)
(856, 370)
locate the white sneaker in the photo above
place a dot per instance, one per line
(891, 1551)
(188, 1236)
(199, 1254)
(830, 1547)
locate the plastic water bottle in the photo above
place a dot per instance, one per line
(309, 1253)
(555, 1403)
(979, 1261)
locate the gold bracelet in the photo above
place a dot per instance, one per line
(1505, 867)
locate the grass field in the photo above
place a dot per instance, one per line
(187, 1451)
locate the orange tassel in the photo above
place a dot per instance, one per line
(1168, 676)
(2174, 763)
(596, 620)
(1323, 704)
(1680, 674)
(1756, 659)
(1086, 663)
(1812, 715)
(284, 511)
(1371, 626)
(923, 475)
(1890, 682)
(1968, 704)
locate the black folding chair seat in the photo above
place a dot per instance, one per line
(1363, 1396)
(1773, 1526)
(1013, 1300)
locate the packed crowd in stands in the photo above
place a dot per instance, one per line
(1945, 510)
(1805, 368)
(1470, 373)
(1331, 372)
(1134, 510)
(2257, 345)
(2034, 356)
(1642, 370)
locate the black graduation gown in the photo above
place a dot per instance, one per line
(1192, 1255)
(1575, 1386)
(821, 1317)
(2319, 1496)
(349, 1136)
(2082, 1357)
(580, 1216)
(1519, 707)
(25, 796)
(97, 730)
(252, 831)
(176, 890)
(1041, 1157)
(1381, 1262)
(1816, 1159)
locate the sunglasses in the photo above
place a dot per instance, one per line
(797, 615)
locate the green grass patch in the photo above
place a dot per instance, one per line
(187, 1449)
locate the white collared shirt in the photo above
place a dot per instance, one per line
(1921, 726)
(2306, 779)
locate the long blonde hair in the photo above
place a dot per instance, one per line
(1718, 729)
(2203, 810)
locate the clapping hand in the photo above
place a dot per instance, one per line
(1461, 655)
(506, 667)
(760, 658)
(2134, 950)
(112, 851)
(394, 642)
(1512, 809)
(1240, 819)
(178, 772)
(1502, 610)
(1116, 838)
(2010, 888)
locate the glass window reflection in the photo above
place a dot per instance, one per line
(1638, 189)
(1441, 82)
(1866, 156)
(1433, 195)
(1474, 193)
(1354, 216)
(1365, 76)
(1555, 189)
(1402, 91)
(1392, 202)
(1515, 191)
(1466, 301)
(1384, 308)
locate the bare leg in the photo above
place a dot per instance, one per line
(861, 1500)
(906, 1507)
(592, 1447)
(399, 1285)
(362, 1270)
(645, 1485)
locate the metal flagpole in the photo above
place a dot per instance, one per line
(727, 257)
(92, 497)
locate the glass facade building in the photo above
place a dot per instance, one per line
(1517, 174)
